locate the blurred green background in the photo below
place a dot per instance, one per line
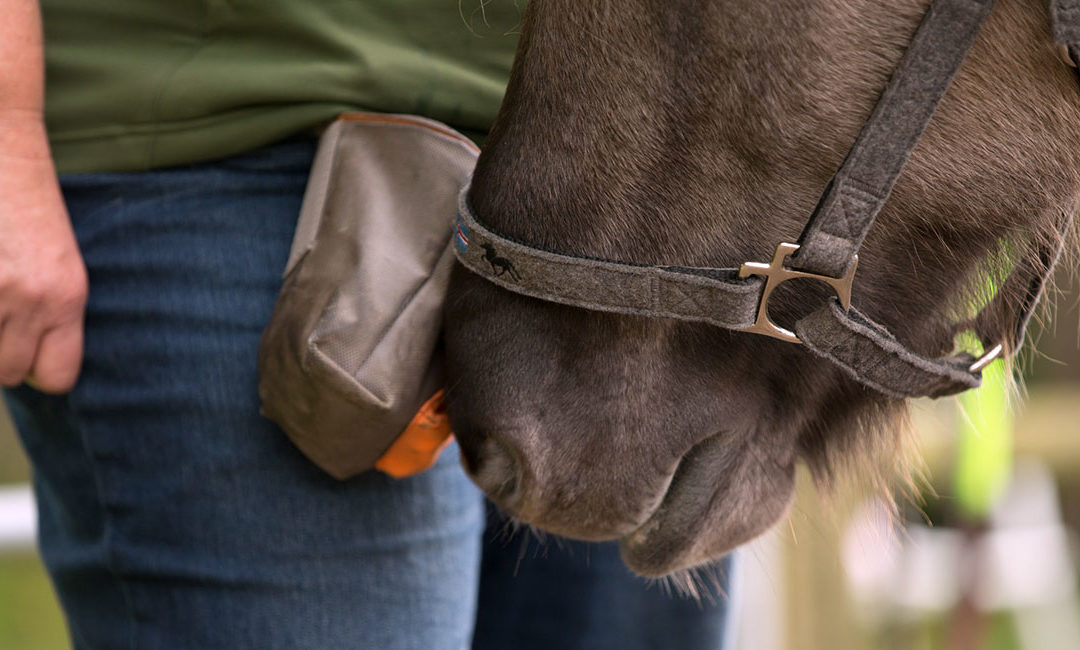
(29, 616)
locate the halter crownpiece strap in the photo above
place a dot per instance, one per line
(865, 180)
(827, 251)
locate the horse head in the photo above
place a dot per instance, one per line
(693, 133)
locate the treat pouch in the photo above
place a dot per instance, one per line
(348, 359)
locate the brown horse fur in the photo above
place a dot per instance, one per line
(701, 132)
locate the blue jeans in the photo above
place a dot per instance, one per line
(558, 594)
(173, 516)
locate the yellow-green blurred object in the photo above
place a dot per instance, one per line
(984, 448)
(29, 616)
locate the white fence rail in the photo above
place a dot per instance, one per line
(18, 519)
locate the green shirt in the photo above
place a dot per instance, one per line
(140, 84)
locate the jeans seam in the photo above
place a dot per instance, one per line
(107, 528)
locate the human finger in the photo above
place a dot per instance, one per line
(19, 337)
(59, 359)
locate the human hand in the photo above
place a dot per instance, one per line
(43, 282)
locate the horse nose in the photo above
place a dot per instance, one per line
(496, 468)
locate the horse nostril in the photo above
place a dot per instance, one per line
(498, 472)
(469, 456)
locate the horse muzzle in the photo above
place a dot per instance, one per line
(667, 517)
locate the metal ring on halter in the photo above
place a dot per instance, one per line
(988, 358)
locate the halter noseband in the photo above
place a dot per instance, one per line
(828, 247)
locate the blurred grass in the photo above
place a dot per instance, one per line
(13, 465)
(30, 617)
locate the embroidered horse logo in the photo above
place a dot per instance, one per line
(500, 265)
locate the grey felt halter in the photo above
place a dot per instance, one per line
(827, 251)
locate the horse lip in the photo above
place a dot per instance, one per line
(639, 537)
(639, 534)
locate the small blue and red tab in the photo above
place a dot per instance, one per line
(461, 235)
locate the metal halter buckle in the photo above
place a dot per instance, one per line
(775, 274)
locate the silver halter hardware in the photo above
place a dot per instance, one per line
(775, 274)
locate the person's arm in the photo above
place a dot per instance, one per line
(43, 283)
